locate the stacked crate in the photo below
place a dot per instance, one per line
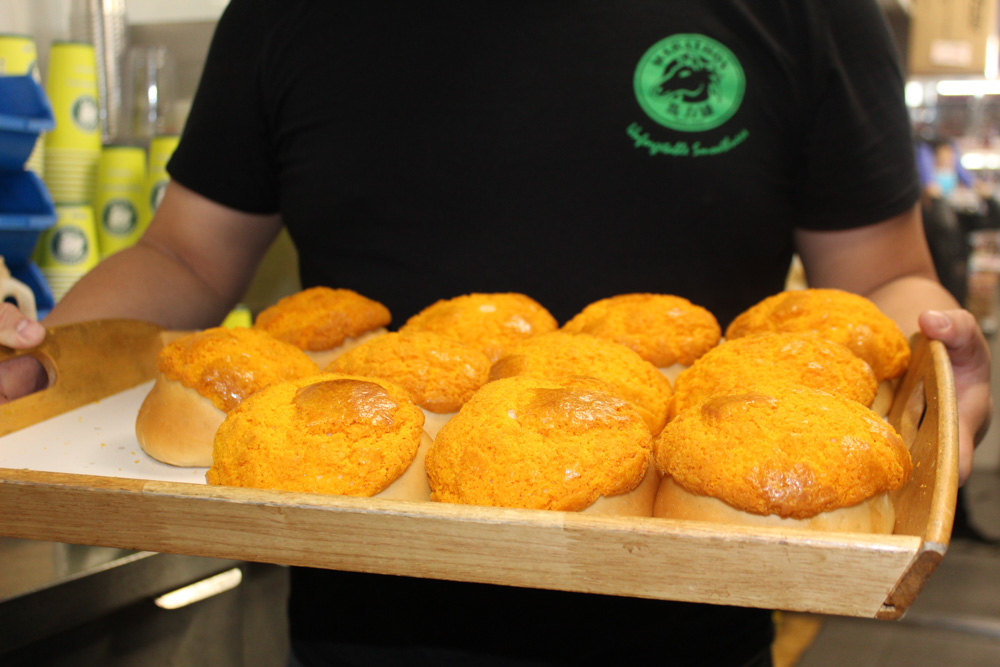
(26, 208)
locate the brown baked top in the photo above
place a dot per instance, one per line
(558, 355)
(790, 451)
(539, 444)
(743, 363)
(441, 374)
(321, 318)
(226, 365)
(328, 433)
(664, 329)
(843, 317)
(490, 322)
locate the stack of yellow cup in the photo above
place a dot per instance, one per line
(160, 149)
(73, 147)
(121, 209)
(68, 249)
(18, 57)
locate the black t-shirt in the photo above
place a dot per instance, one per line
(567, 150)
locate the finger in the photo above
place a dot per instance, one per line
(21, 376)
(966, 455)
(17, 330)
(974, 415)
(960, 333)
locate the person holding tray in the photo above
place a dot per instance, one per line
(567, 151)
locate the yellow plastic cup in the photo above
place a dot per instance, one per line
(72, 242)
(71, 87)
(19, 57)
(120, 207)
(239, 316)
(160, 150)
(68, 249)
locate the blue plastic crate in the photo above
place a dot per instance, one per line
(26, 210)
(25, 112)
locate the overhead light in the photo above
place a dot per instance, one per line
(914, 94)
(974, 88)
(975, 161)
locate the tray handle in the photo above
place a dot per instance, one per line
(85, 362)
(926, 415)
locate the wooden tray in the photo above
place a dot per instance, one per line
(850, 574)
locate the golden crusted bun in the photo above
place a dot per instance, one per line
(774, 358)
(200, 377)
(664, 329)
(176, 424)
(843, 317)
(789, 451)
(441, 374)
(875, 515)
(324, 321)
(559, 355)
(329, 433)
(539, 444)
(490, 322)
(226, 365)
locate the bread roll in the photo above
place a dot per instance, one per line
(200, 377)
(324, 322)
(544, 444)
(440, 374)
(490, 322)
(783, 451)
(561, 355)
(775, 358)
(843, 317)
(874, 515)
(329, 433)
(664, 329)
(176, 424)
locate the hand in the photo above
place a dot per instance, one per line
(970, 360)
(24, 375)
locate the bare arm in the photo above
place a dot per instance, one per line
(190, 267)
(889, 262)
(187, 271)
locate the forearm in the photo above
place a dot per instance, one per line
(904, 298)
(144, 283)
(888, 262)
(186, 272)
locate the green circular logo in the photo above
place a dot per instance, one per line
(69, 245)
(85, 113)
(689, 83)
(119, 217)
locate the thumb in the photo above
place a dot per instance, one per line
(17, 330)
(959, 332)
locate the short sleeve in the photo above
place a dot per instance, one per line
(224, 152)
(860, 166)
